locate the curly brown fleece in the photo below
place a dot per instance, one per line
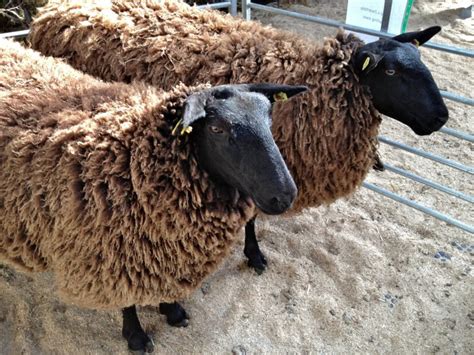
(327, 136)
(94, 187)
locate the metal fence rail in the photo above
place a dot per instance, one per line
(231, 5)
(458, 134)
(431, 156)
(16, 34)
(441, 216)
(429, 183)
(458, 98)
(247, 6)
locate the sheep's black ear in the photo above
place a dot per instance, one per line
(367, 61)
(194, 109)
(418, 38)
(277, 92)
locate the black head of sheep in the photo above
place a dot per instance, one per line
(235, 144)
(402, 87)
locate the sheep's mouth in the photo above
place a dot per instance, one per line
(237, 196)
(272, 209)
(418, 123)
(424, 130)
(248, 200)
(254, 203)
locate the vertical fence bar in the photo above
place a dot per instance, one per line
(233, 7)
(246, 10)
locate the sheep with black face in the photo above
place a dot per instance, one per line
(103, 185)
(400, 84)
(331, 145)
(236, 150)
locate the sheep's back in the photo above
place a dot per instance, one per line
(162, 43)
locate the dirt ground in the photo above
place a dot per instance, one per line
(363, 275)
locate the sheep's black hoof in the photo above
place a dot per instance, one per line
(176, 316)
(139, 342)
(257, 262)
(378, 164)
(182, 323)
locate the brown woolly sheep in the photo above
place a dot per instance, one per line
(97, 187)
(329, 148)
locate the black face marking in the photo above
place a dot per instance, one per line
(235, 145)
(401, 86)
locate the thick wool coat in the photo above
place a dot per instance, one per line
(95, 188)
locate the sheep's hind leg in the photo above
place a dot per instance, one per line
(176, 316)
(252, 250)
(132, 330)
(378, 163)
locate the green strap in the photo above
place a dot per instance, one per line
(407, 15)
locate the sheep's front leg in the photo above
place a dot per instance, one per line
(176, 316)
(133, 332)
(252, 250)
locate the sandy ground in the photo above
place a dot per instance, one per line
(363, 275)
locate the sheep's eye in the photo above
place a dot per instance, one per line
(390, 72)
(222, 94)
(216, 130)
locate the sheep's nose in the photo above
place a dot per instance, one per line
(443, 119)
(282, 202)
(440, 122)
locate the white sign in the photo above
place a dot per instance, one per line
(382, 15)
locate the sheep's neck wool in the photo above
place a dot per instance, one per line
(328, 136)
(95, 188)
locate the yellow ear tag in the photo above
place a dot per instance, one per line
(416, 43)
(187, 130)
(173, 132)
(366, 63)
(281, 96)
